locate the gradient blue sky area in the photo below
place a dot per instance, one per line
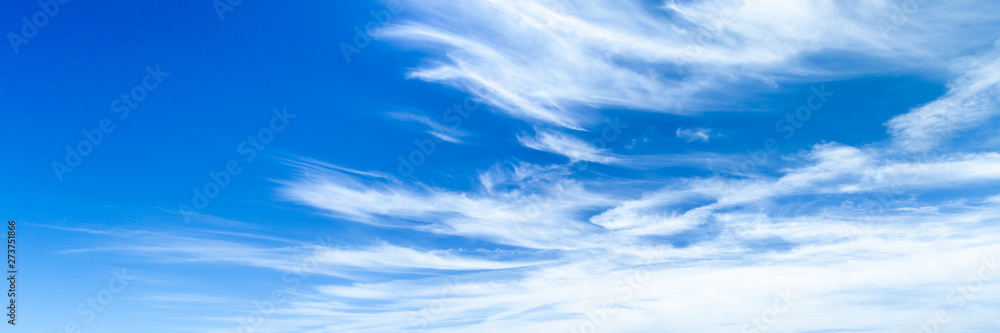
(562, 155)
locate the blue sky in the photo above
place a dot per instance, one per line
(488, 166)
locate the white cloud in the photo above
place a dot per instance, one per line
(445, 133)
(694, 134)
(387, 257)
(532, 215)
(551, 60)
(716, 289)
(563, 144)
(323, 258)
(971, 100)
(994, 199)
(582, 244)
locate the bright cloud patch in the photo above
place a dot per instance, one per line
(695, 134)
(566, 145)
(546, 60)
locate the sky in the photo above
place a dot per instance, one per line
(495, 166)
